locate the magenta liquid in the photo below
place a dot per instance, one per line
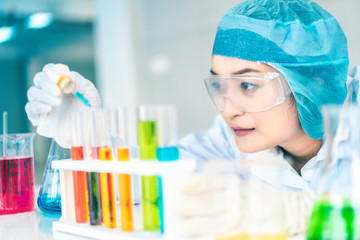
(16, 185)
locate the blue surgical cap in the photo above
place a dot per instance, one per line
(298, 38)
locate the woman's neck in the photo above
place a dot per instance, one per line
(301, 148)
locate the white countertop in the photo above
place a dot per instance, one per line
(35, 226)
(30, 225)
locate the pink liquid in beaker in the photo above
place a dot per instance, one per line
(16, 185)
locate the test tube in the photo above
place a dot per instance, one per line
(107, 179)
(93, 177)
(167, 134)
(95, 146)
(166, 151)
(126, 203)
(149, 184)
(79, 177)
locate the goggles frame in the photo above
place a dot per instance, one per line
(277, 85)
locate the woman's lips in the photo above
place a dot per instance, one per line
(242, 131)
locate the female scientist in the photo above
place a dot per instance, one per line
(274, 64)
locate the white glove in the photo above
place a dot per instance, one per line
(225, 205)
(49, 109)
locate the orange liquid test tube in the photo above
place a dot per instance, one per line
(125, 194)
(80, 188)
(107, 191)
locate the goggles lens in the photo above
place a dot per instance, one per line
(249, 93)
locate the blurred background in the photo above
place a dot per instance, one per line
(134, 51)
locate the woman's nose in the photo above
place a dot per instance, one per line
(230, 110)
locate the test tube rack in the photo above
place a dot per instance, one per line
(170, 173)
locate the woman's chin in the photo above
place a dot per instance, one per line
(250, 147)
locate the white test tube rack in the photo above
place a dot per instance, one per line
(170, 173)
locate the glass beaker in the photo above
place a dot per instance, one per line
(17, 173)
(335, 214)
(49, 200)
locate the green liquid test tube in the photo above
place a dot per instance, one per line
(333, 222)
(93, 197)
(149, 184)
(93, 178)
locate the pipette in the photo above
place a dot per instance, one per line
(67, 86)
(5, 125)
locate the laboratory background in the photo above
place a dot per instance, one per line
(134, 51)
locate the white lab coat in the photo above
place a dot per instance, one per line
(219, 143)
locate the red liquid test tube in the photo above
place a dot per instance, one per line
(80, 188)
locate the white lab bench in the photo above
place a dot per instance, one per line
(35, 226)
(30, 226)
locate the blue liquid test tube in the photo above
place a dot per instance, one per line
(167, 134)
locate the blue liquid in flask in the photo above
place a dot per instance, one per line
(49, 200)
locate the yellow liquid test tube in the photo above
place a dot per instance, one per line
(107, 191)
(248, 236)
(125, 194)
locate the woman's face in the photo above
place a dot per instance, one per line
(258, 131)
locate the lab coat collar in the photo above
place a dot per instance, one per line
(280, 173)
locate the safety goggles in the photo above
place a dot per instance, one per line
(249, 93)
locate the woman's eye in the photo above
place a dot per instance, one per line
(247, 86)
(216, 86)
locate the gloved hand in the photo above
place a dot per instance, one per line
(226, 205)
(50, 110)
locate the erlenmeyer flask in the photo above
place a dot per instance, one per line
(49, 200)
(335, 214)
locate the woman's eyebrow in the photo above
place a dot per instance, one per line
(212, 72)
(242, 71)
